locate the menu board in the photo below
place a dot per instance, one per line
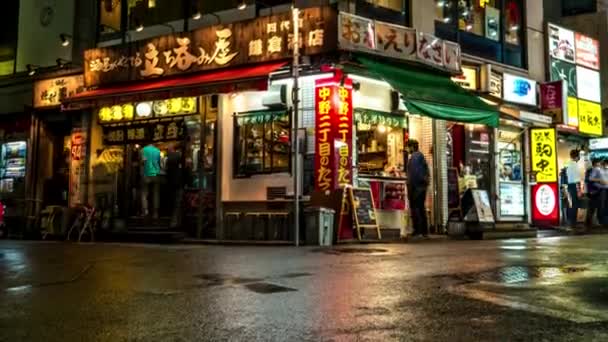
(511, 199)
(364, 212)
(482, 206)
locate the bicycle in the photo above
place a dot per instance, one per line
(86, 220)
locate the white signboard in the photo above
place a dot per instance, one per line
(395, 41)
(511, 199)
(598, 144)
(518, 89)
(588, 84)
(356, 33)
(535, 118)
(561, 43)
(545, 200)
(452, 56)
(482, 205)
(430, 49)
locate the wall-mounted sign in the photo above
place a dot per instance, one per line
(511, 199)
(572, 113)
(78, 170)
(587, 51)
(535, 118)
(468, 78)
(561, 43)
(49, 93)
(333, 133)
(590, 117)
(362, 34)
(543, 151)
(553, 101)
(168, 130)
(518, 89)
(588, 84)
(492, 23)
(257, 40)
(545, 208)
(564, 71)
(146, 110)
(598, 144)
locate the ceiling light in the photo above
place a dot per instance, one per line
(197, 15)
(31, 69)
(138, 26)
(242, 5)
(65, 39)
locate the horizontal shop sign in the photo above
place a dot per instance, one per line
(357, 33)
(246, 42)
(144, 132)
(50, 92)
(535, 118)
(148, 109)
(519, 89)
(598, 144)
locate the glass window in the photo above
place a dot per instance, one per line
(262, 143)
(110, 16)
(8, 36)
(395, 5)
(379, 149)
(490, 29)
(510, 172)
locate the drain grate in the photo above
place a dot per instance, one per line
(268, 288)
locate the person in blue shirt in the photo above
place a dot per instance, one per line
(150, 156)
(417, 183)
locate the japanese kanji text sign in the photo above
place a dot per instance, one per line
(553, 100)
(333, 133)
(590, 118)
(544, 157)
(252, 41)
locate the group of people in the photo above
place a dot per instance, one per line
(590, 186)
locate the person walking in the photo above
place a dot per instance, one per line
(150, 156)
(417, 184)
(594, 193)
(573, 172)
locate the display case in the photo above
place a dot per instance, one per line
(12, 166)
(390, 199)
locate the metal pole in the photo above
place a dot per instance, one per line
(296, 148)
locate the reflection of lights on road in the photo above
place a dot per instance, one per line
(513, 248)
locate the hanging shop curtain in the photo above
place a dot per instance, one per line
(261, 116)
(374, 117)
(433, 95)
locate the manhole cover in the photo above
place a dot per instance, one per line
(268, 288)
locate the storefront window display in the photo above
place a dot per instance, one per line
(469, 152)
(510, 172)
(488, 28)
(262, 142)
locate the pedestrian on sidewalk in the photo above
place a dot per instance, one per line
(573, 172)
(417, 183)
(603, 200)
(150, 156)
(594, 193)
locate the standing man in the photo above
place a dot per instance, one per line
(417, 183)
(175, 183)
(594, 192)
(150, 156)
(573, 173)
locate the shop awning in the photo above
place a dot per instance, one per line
(261, 116)
(223, 80)
(433, 95)
(375, 117)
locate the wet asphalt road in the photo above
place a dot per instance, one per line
(552, 289)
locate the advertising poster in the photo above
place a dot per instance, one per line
(553, 99)
(561, 44)
(78, 153)
(588, 84)
(587, 51)
(518, 89)
(564, 71)
(545, 207)
(511, 199)
(492, 23)
(543, 152)
(590, 117)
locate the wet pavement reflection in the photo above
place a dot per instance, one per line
(539, 289)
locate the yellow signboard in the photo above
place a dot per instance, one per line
(590, 117)
(543, 152)
(572, 112)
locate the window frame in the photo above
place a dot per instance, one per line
(368, 9)
(266, 169)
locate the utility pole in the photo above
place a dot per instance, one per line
(295, 13)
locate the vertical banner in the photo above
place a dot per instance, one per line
(78, 153)
(544, 157)
(545, 205)
(333, 133)
(553, 100)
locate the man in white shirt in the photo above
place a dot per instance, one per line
(574, 174)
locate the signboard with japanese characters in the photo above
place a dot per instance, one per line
(587, 51)
(590, 118)
(357, 33)
(553, 100)
(468, 78)
(545, 204)
(155, 130)
(333, 133)
(561, 43)
(252, 41)
(49, 93)
(78, 170)
(543, 151)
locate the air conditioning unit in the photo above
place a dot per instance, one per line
(275, 96)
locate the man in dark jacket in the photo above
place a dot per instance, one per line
(417, 184)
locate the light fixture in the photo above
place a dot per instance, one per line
(440, 3)
(31, 69)
(242, 5)
(65, 39)
(469, 27)
(514, 28)
(197, 15)
(447, 20)
(62, 62)
(138, 25)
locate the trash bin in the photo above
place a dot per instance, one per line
(319, 226)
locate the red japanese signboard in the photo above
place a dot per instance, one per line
(587, 51)
(333, 133)
(545, 204)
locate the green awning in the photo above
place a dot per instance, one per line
(261, 116)
(433, 95)
(375, 117)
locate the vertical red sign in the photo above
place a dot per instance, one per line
(545, 204)
(333, 133)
